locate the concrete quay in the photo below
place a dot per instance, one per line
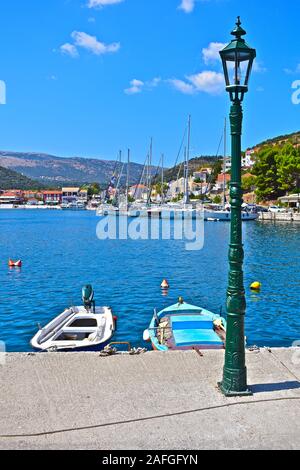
(155, 401)
(279, 217)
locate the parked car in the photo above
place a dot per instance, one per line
(276, 209)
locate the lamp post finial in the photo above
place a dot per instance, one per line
(238, 32)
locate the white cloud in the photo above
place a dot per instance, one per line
(187, 6)
(136, 86)
(89, 43)
(92, 44)
(258, 67)
(211, 54)
(102, 3)
(69, 49)
(291, 71)
(154, 83)
(182, 86)
(208, 82)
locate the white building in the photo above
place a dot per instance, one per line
(178, 187)
(70, 195)
(248, 160)
(139, 191)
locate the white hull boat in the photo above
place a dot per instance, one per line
(225, 216)
(76, 329)
(84, 328)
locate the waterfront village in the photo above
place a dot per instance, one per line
(209, 185)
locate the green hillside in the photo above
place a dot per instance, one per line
(11, 180)
(294, 138)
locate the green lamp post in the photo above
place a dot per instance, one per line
(237, 59)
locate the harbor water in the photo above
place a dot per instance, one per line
(61, 252)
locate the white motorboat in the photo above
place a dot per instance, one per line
(84, 328)
(225, 215)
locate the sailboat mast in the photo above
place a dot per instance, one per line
(128, 176)
(149, 171)
(224, 162)
(187, 161)
(117, 199)
(162, 179)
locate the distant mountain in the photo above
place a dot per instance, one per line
(57, 171)
(12, 180)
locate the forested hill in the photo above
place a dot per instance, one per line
(294, 138)
(57, 171)
(12, 180)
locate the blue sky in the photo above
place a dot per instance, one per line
(87, 80)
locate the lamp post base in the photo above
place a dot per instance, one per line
(230, 393)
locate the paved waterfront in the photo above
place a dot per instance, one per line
(152, 401)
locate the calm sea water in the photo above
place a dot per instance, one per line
(60, 253)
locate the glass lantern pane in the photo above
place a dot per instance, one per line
(238, 72)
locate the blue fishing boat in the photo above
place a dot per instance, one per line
(183, 326)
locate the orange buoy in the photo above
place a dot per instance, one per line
(165, 284)
(14, 264)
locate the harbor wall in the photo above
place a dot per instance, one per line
(279, 217)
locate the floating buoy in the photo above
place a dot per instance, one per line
(255, 286)
(14, 264)
(165, 284)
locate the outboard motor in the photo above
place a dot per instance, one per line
(88, 298)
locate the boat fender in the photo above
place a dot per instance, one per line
(115, 322)
(146, 336)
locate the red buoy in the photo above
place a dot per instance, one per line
(165, 284)
(14, 264)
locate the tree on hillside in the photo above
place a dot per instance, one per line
(93, 189)
(248, 183)
(217, 169)
(266, 171)
(288, 163)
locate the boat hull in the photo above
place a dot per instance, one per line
(77, 329)
(186, 327)
(225, 216)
